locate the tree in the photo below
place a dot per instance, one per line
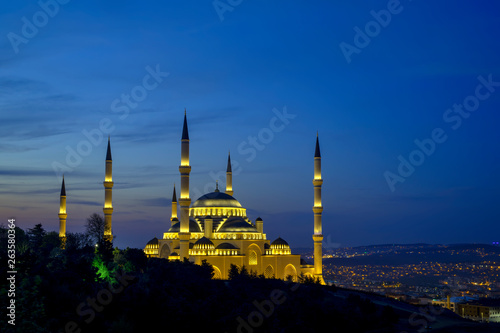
(234, 271)
(95, 228)
(308, 279)
(77, 241)
(208, 269)
(36, 235)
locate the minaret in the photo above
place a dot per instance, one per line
(318, 209)
(62, 216)
(174, 208)
(108, 188)
(229, 176)
(184, 200)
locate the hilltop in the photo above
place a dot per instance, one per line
(84, 289)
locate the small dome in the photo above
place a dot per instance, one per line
(173, 254)
(258, 219)
(154, 241)
(193, 226)
(226, 246)
(203, 244)
(216, 199)
(237, 224)
(279, 243)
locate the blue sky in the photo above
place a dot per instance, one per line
(236, 65)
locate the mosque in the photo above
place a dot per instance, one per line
(217, 229)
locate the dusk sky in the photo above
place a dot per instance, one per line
(405, 97)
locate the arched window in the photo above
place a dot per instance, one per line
(290, 272)
(269, 272)
(252, 258)
(217, 273)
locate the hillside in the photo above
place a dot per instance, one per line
(81, 289)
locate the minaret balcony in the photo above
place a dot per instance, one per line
(317, 209)
(107, 210)
(317, 182)
(108, 183)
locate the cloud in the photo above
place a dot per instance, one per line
(32, 109)
(85, 202)
(16, 86)
(26, 172)
(15, 148)
(156, 202)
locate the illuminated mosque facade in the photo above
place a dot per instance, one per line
(216, 228)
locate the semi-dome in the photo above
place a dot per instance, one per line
(152, 247)
(279, 246)
(203, 244)
(279, 243)
(154, 241)
(216, 199)
(193, 226)
(237, 224)
(226, 246)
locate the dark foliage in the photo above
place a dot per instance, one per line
(94, 227)
(89, 289)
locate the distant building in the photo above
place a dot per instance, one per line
(451, 303)
(485, 310)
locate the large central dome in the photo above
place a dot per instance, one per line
(217, 205)
(216, 199)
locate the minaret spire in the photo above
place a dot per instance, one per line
(62, 215)
(317, 153)
(185, 132)
(108, 188)
(108, 152)
(229, 176)
(174, 196)
(184, 199)
(173, 217)
(318, 210)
